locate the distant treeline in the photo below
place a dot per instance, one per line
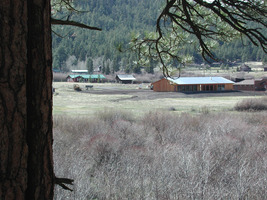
(120, 19)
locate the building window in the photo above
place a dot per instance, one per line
(220, 87)
(186, 88)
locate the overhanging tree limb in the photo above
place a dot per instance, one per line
(209, 22)
(228, 11)
(73, 23)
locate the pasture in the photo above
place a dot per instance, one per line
(138, 100)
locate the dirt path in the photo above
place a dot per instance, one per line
(141, 94)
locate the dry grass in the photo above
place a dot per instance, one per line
(252, 105)
(60, 77)
(162, 155)
(69, 102)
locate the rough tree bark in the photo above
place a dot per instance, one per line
(26, 164)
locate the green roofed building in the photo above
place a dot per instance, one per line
(86, 78)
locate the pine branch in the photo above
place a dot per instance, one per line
(73, 23)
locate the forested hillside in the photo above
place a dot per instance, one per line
(119, 19)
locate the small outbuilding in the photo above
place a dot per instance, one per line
(192, 84)
(245, 68)
(252, 85)
(125, 78)
(245, 85)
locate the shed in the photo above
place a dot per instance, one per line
(86, 78)
(192, 84)
(245, 85)
(72, 78)
(245, 68)
(125, 78)
(252, 85)
(79, 71)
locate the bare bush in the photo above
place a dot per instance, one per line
(76, 87)
(110, 116)
(162, 156)
(205, 110)
(148, 78)
(252, 104)
(59, 77)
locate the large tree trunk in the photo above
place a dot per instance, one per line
(26, 165)
(13, 101)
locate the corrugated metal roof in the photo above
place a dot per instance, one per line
(125, 77)
(245, 82)
(199, 80)
(79, 71)
(88, 76)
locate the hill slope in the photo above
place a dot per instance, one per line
(119, 19)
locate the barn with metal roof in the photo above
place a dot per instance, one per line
(125, 78)
(252, 85)
(192, 84)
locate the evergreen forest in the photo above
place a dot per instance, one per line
(77, 48)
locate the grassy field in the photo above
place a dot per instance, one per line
(69, 102)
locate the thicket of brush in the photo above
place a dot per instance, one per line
(258, 104)
(162, 156)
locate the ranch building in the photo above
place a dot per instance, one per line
(245, 68)
(79, 71)
(86, 78)
(252, 85)
(125, 78)
(192, 84)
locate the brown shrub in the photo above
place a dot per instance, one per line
(252, 104)
(162, 156)
(59, 77)
(76, 87)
